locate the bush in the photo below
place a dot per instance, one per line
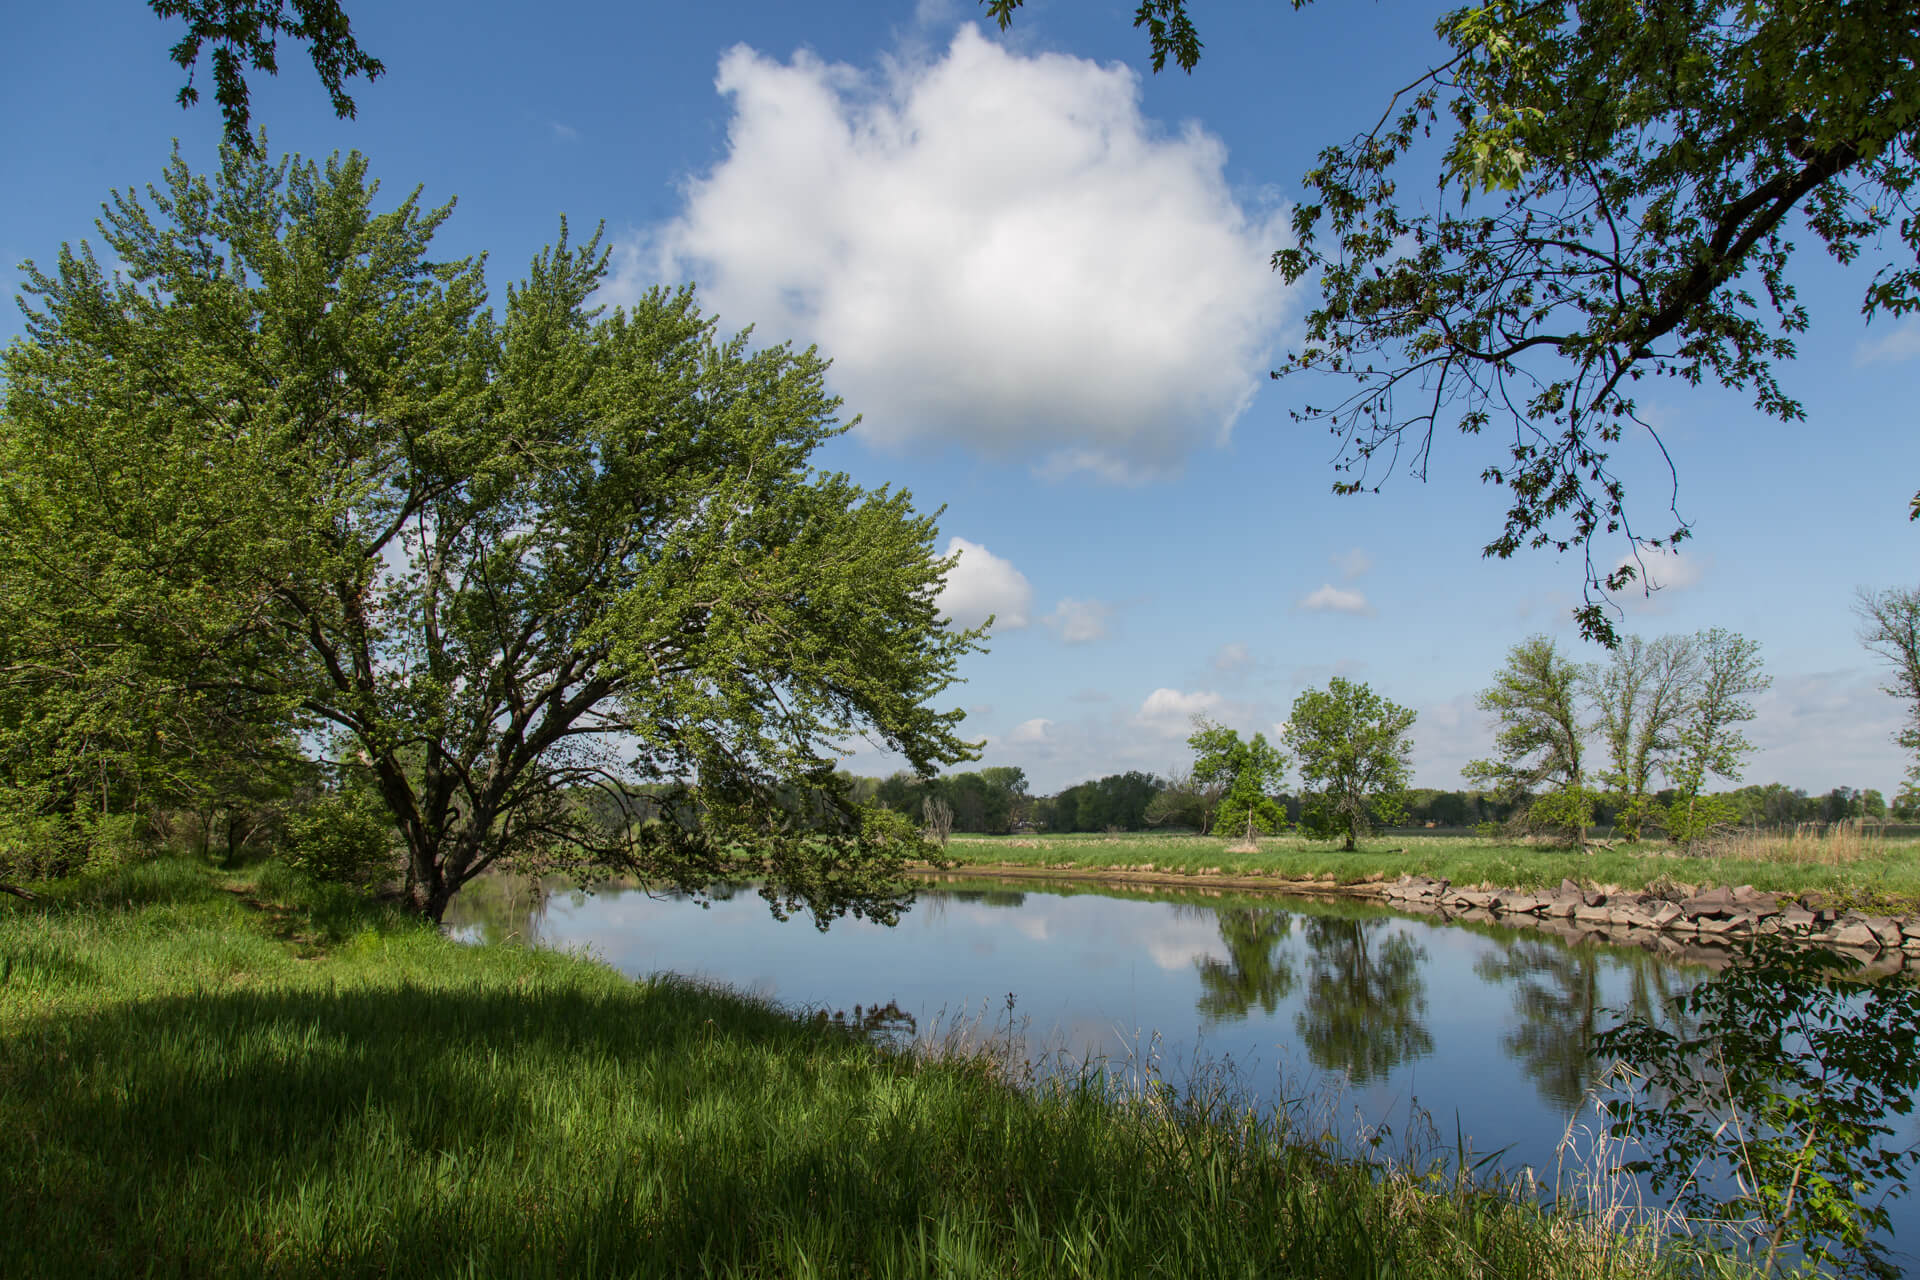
(341, 838)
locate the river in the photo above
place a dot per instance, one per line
(1425, 1037)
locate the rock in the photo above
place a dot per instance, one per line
(1910, 928)
(1663, 915)
(1589, 914)
(1521, 903)
(1853, 933)
(1629, 917)
(1568, 889)
(1715, 902)
(1799, 919)
(1887, 931)
(1472, 898)
(1755, 903)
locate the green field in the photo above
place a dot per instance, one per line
(1865, 873)
(208, 1073)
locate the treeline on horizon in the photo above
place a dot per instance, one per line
(995, 801)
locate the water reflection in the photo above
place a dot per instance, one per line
(1259, 968)
(1366, 998)
(1562, 1001)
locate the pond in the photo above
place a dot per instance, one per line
(1422, 1033)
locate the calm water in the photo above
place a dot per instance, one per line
(1366, 1018)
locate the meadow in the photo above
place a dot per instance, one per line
(1840, 865)
(219, 1073)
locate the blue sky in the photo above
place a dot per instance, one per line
(1041, 271)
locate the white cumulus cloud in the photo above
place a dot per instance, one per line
(1328, 598)
(1170, 712)
(996, 250)
(1080, 621)
(983, 583)
(1029, 732)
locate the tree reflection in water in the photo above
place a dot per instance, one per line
(503, 908)
(1557, 993)
(1366, 1003)
(1258, 969)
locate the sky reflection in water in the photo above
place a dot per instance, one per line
(1357, 1013)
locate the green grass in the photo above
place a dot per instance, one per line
(1876, 876)
(239, 1075)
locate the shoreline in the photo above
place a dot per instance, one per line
(1683, 918)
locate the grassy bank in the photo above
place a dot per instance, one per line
(203, 1074)
(1871, 874)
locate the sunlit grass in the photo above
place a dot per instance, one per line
(213, 1075)
(1850, 870)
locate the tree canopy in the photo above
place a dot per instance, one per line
(283, 474)
(1355, 759)
(1627, 182)
(1248, 774)
(1541, 739)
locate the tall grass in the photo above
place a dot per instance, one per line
(265, 1078)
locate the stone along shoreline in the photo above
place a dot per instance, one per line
(1711, 918)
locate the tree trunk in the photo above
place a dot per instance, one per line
(17, 892)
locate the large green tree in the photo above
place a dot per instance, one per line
(1355, 759)
(1641, 696)
(1627, 183)
(1710, 743)
(283, 468)
(1540, 736)
(1248, 774)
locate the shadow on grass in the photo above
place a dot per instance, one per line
(613, 1129)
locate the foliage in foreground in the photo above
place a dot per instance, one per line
(312, 1087)
(1782, 1081)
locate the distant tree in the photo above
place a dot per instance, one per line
(1710, 742)
(1249, 773)
(1890, 627)
(1540, 737)
(1182, 802)
(1641, 695)
(1355, 759)
(244, 34)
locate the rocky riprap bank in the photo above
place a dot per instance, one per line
(1712, 917)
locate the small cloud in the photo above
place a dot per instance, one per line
(1170, 712)
(1080, 621)
(983, 583)
(981, 709)
(564, 132)
(1089, 695)
(1900, 343)
(1661, 569)
(1029, 732)
(1331, 599)
(1352, 564)
(1231, 659)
